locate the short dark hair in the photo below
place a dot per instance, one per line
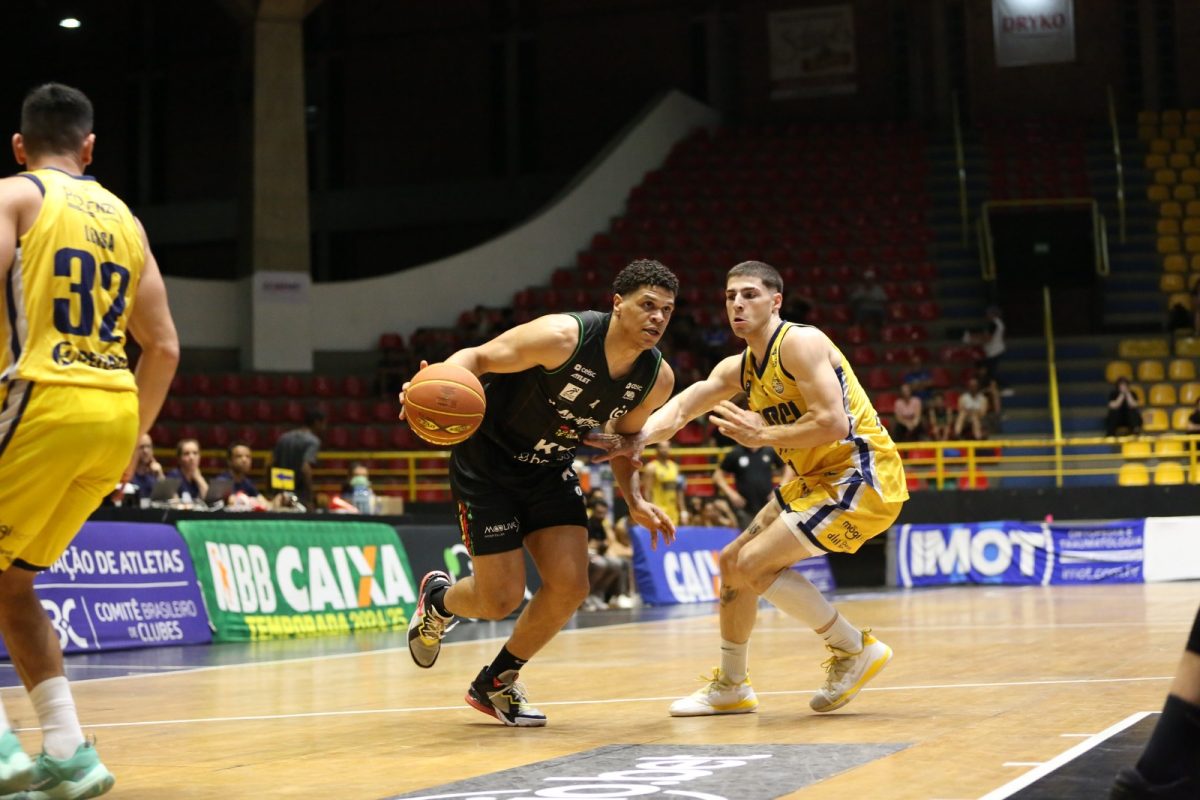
(55, 119)
(235, 444)
(769, 276)
(645, 272)
(313, 415)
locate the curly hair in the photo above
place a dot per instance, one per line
(645, 272)
(769, 276)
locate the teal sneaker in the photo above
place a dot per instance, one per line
(82, 775)
(15, 767)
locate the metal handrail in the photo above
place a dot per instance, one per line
(1116, 137)
(1052, 370)
(961, 165)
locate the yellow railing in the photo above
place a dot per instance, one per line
(1116, 138)
(987, 251)
(961, 166)
(935, 465)
(1052, 369)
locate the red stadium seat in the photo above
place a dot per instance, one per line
(367, 438)
(203, 385)
(386, 411)
(337, 438)
(879, 378)
(231, 384)
(293, 386)
(354, 386)
(231, 410)
(355, 411)
(262, 385)
(885, 402)
(323, 386)
(202, 410)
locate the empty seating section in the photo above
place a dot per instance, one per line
(1036, 159)
(1172, 164)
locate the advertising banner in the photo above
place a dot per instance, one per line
(279, 579)
(1015, 553)
(1033, 31)
(688, 571)
(431, 547)
(812, 51)
(123, 585)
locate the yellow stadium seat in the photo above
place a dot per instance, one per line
(1179, 419)
(1155, 420)
(1156, 347)
(1148, 132)
(1192, 130)
(1192, 244)
(1171, 132)
(1168, 245)
(1196, 159)
(1185, 145)
(1183, 191)
(1190, 175)
(1191, 225)
(1168, 447)
(1163, 394)
(1171, 116)
(1118, 369)
(1161, 146)
(1168, 473)
(1133, 475)
(1135, 449)
(1193, 209)
(1178, 161)
(1189, 393)
(1187, 346)
(1157, 194)
(1147, 117)
(1181, 369)
(1167, 227)
(1165, 177)
(1180, 299)
(1196, 262)
(1175, 262)
(1170, 209)
(1138, 392)
(1150, 370)
(1191, 115)
(1155, 161)
(1171, 282)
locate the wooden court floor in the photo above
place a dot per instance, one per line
(986, 684)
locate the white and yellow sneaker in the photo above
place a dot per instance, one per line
(847, 673)
(719, 696)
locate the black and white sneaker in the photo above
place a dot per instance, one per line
(427, 627)
(504, 698)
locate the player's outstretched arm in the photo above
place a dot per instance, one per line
(646, 514)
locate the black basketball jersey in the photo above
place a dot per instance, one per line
(538, 416)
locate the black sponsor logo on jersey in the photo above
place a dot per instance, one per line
(781, 413)
(90, 207)
(65, 354)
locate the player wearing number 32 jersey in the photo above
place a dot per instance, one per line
(78, 278)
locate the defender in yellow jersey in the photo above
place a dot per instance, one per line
(78, 277)
(806, 403)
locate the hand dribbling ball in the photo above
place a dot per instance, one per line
(444, 404)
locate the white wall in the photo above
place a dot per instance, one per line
(350, 315)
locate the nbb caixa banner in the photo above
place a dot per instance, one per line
(270, 579)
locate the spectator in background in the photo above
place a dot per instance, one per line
(237, 469)
(919, 378)
(991, 340)
(1124, 410)
(746, 477)
(868, 301)
(1193, 425)
(909, 413)
(357, 490)
(938, 420)
(663, 483)
(192, 485)
(972, 406)
(147, 471)
(610, 563)
(298, 450)
(717, 513)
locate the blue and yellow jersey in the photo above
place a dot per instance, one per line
(70, 288)
(773, 393)
(664, 487)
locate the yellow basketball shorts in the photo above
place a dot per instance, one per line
(62, 450)
(835, 512)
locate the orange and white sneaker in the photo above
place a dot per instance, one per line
(847, 673)
(718, 696)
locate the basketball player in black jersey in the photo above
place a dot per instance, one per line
(548, 382)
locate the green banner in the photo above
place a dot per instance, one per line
(281, 579)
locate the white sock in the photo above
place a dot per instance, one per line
(734, 660)
(795, 595)
(5, 725)
(61, 734)
(844, 636)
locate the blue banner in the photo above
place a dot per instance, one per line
(123, 585)
(1016, 553)
(688, 571)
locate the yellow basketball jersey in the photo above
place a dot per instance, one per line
(664, 487)
(869, 449)
(71, 286)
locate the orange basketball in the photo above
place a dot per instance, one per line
(444, 404)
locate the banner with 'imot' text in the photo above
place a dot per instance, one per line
(271, 579)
